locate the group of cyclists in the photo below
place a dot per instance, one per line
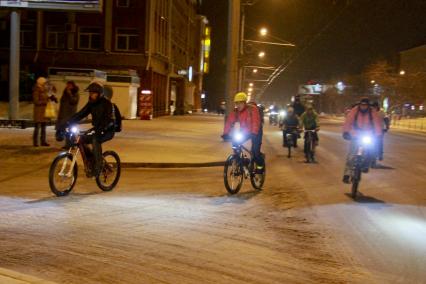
(361, 118)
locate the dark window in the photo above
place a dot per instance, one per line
(28, 35)
(127, 40)
(89, 38)
(123, 3)
(55, 37)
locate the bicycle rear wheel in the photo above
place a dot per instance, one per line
(62, 178)
(257, 180)
(232, 175)
(111, 171)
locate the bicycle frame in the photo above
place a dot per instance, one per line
(242, 153)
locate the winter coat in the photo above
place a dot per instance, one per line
(299, 108)
(68, 106)
(101, 111)
(291, 121)
(309, 121)
(356, 121)
(40, 99)
(248, 118)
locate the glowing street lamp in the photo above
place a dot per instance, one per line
(250, 90)
(261, 54)
(251, 84)
(402, 72)
(254, 70)
(263, 31)
(372, 81)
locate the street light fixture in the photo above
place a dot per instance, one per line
(251, 84)
(263, 31)
(402, 72)
(372, 81)
(261, 54)
(250, 90)
(254, 70)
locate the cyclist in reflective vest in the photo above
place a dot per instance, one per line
(248, 116)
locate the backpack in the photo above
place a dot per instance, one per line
(116, 118)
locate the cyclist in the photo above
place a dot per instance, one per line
(298, 106)
(309, 120)
(361, 118)
(101, 110)
(249, 119)
(290, 124)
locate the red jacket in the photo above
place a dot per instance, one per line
(364, 122)
(248, 118)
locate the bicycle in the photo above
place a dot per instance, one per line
(309, 146)
(240, 165)
(361, 161)
(63, 171)
(291, 134)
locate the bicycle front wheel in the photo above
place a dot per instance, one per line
(232, 175)
(111, 171)
(62, 177)
(355, 182)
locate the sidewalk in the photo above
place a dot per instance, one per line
(173, 141)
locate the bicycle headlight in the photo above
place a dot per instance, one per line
(366, 140)
(238, 137)
(74, 129)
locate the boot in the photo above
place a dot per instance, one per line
(43, 135)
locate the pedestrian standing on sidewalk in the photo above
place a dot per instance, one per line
(40, 99)
(384, 120)
(67, 108)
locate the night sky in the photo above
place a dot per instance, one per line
(333, 38)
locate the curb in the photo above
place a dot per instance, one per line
(11, 277)
(128, 165)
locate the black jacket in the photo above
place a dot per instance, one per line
(290, 122)
(299, 108)
(101, 111)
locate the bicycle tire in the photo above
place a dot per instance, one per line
(52, 184)
(107, 167)
(355, 183)
(258, 185)
(229, 186)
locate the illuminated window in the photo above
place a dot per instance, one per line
(89, 38)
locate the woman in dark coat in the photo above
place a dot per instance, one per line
(67, 108)
(40, 99)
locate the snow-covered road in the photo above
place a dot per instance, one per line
(180, 226)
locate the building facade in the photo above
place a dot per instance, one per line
(158, 41)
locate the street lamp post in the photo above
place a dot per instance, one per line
(15, 19)
(232, 53)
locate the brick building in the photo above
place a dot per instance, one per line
(161, 41)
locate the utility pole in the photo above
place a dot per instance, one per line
(232, 53)
(15, 22)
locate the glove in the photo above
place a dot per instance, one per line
(225, 137)
(347, 136)
(59, 135)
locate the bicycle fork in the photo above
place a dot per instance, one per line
(64, 165)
